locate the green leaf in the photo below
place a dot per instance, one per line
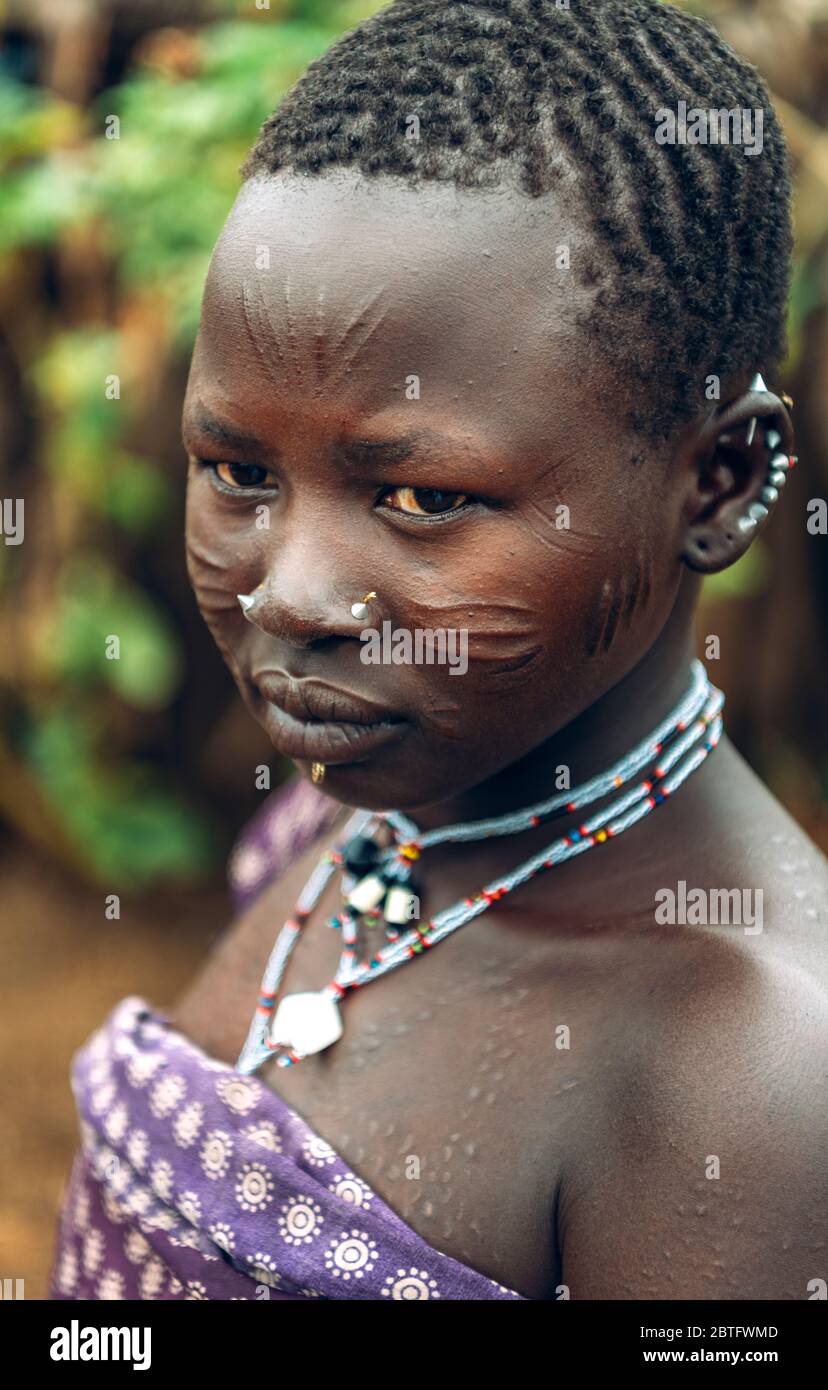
(108, 631)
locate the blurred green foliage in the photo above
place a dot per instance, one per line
(104, 245)
(145, 207)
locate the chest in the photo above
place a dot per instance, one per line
(453, 1093)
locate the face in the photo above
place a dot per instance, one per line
(389, 393)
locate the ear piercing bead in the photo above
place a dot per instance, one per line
(757, 384)
(777, 469)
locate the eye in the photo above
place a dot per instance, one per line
(424, 501)
(238, 476)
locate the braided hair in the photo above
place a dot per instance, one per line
(690, 262)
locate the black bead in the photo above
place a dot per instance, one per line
(360, 855)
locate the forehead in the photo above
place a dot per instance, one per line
(340, 289)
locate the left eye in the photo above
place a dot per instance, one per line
(424, 501)
(241, 475)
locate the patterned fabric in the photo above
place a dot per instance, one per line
(194, 1182)
(287, 822)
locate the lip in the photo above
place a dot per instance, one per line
(312, 721)
(308, 699)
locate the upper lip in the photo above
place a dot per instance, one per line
(316, 700)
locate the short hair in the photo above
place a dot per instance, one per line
(691, 259)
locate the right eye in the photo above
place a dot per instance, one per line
(239, 476)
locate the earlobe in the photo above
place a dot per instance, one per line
(740, 475)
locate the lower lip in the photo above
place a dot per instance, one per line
(332, 743)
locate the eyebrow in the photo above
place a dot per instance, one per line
(201, 421)
(418, 445)
(425, 444)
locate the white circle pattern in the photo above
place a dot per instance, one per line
(197, 1182)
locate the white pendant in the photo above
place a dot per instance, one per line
(401, 905)
(368, 893)
(306, 1023)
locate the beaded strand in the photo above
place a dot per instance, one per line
(685, 754)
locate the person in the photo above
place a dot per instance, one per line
(479, 354)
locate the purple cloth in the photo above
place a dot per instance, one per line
(290, 818)
(195, 1182)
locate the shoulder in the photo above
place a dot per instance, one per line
(215, 1008)
(707, 1176)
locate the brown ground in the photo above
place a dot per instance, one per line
(62, 966)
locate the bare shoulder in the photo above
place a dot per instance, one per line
(706, 1174)
(215, 1008)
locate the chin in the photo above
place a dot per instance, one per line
(376, 784)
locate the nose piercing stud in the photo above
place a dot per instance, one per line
(247, 601)
(360, 610)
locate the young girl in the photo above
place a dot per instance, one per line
(481, 358)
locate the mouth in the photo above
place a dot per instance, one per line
(312, 721)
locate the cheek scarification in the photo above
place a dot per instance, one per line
(504, 637)
(215, 593)
(212, 580)
(619, 600)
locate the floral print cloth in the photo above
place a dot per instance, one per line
(284, 825)
(195, 1182)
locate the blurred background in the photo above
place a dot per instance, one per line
(133, 776)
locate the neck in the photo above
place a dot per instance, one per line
(604, 732)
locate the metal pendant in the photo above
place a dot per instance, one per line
(306, 1023)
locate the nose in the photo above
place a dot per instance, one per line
(303, 605)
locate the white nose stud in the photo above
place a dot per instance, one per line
(248, 601)
(360, 610)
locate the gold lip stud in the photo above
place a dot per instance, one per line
(317, 772)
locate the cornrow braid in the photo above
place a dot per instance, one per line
(691, 263)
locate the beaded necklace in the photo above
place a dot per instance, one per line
(309, 1022)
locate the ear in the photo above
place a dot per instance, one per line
(738, 466)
